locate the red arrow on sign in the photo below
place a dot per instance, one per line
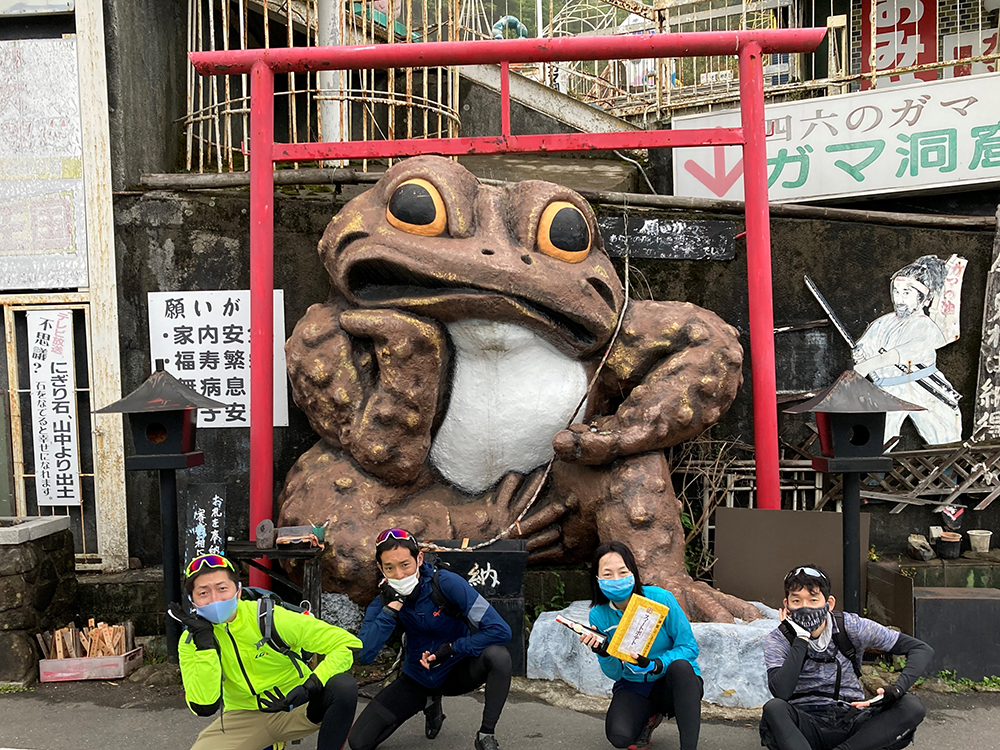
(720, 182)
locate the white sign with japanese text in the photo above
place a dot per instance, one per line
(43, 212)
(52, 381)
(205, 339)
(930, 135)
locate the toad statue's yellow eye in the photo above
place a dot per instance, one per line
(563, 232)
(416, 207)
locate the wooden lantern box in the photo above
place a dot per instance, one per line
(90, 667)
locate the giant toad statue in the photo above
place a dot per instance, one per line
(454, 358)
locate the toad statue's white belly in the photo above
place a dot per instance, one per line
(511, 392)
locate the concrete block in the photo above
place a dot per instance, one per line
(18, 530)
(555, 653)
(731, 657)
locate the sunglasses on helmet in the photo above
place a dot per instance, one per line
(210, 561)
(402, 534)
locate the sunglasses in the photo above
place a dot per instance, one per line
(211, 561)
(394, 534)
(811, 572)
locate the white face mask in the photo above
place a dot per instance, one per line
(406, 585)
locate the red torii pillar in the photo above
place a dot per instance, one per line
(262, 64)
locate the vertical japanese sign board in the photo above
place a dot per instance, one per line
(204, 522)
(986, 417)
(52, 380)
(43, 237)
(901, 139)
(905, 35)
(205, 339)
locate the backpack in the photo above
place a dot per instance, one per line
(266, 602)
(844, 646)
(439, 598)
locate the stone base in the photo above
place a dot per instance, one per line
(731, 657)
(37, 589)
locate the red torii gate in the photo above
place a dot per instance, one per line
(262, 64)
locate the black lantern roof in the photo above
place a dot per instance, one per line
(161, 392)
(853, 393)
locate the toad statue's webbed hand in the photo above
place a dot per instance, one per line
(674, 369)
(370, 381)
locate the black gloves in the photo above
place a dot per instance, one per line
(273, 701)
(200, 629)
(644, 663)
(890, 696)
(389, 594)
(444, 651)
(601, 650)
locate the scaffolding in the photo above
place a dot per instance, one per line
(375, 104)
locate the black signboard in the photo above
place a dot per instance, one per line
(204, 521)
(667, 239)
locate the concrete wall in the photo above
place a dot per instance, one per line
(146, 47)
(199, 241)
(169, 241)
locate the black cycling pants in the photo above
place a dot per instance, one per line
(333, 710)
(404, 697)
(678, 693)
(786, 727)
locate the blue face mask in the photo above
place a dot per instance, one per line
(220, 611)
(617, 589)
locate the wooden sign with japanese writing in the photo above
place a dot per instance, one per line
(204, 523)
(204, 337)
(986, 422)
(53, 407)
(667, 239)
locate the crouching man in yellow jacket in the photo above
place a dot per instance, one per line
(266, 695)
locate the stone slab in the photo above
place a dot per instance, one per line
(731, 657)
(27, 529)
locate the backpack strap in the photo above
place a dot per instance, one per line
(844, 643)
(269, 634)
(446, 605)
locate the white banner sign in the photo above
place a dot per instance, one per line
(930, 135)
(53, 407)
(205, 339)
(43, 218)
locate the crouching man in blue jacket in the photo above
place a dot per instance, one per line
(454, 643)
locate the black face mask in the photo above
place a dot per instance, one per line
(809, 618)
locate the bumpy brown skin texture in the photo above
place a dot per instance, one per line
(371, 371)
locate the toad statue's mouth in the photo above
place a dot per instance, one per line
(382, 282)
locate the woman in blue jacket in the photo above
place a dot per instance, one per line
(454, 644)
(667, 680)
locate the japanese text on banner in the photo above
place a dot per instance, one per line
(52, 380)
(204, 337)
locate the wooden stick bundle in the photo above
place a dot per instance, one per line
(94, 640)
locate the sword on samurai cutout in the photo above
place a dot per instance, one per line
(937, 387)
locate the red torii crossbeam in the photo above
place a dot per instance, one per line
(263, 64)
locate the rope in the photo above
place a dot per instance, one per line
(516, 523)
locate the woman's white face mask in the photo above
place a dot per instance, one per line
(406, 585)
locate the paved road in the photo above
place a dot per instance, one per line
(81, 716)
